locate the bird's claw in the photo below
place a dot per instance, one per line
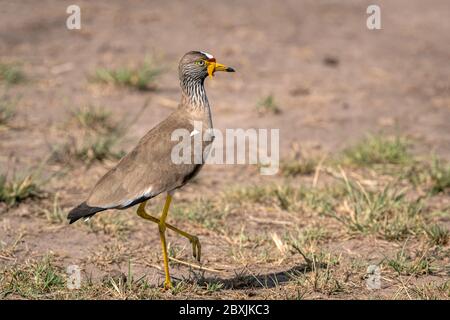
(196, 248)
(167, 285)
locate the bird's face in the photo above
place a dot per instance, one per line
(198, 65)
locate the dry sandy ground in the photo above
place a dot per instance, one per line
(393, 81)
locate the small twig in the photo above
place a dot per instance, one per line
(195, 266)
(308, 261)
(154, 266)
(317, 172)
(403, 287)
(7, 258)
(278, 243)
(252, 218)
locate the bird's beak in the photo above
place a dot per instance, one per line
(214, 66)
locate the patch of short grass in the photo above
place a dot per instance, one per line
(387, 212)
(434, 175)
(141, 78)
(431, 291)
(11, 73)
(8, 249)
(309, 236)
(377, 149)
(214, 286)
(89, 149)
(99, 148)
(283, 197)
(180, 287)
(437, 235)
(33, 280)
(95, 137)
(440, 176)
(112, 253)
(295, 167)
(94, 118)
(207, 213)
(321, 275)
(7, 109)
(15, 189)
(268, 105)
(55, 214)
(403, 263)
(44, 279)
(110, 223)
(125, 290)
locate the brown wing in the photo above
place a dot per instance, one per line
(147, 170)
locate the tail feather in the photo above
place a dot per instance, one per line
(82, 211)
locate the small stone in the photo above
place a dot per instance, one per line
(331, 61)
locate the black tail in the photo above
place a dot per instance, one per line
(82, 211)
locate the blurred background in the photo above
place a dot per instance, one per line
(72, 102)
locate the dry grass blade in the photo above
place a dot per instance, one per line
(195, 266)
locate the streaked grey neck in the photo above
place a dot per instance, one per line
(193, 97)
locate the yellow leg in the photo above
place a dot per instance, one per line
(162, 235)
(196, 247)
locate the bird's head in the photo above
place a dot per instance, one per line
(197, 65)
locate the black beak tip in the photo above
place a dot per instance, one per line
(229, 69)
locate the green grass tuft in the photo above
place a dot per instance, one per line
(268, 105)
(214, 286)
(15, 189)
(378, 150)
(98, 148)
(431, 291)
(7, 109)
(111, 224)
(140, 78)
(440, 176)
(88, 149)
(320, 274)
(283, 197)
(209, 214)
(437, 235)
(293, 167)
(11, 73)
(387, 212)
(55, 214)
(94, 118)
(311, 235)
(404, 264)
(95, 138)
(435, 176)
(33, 280)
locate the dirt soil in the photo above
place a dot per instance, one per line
(334, 81)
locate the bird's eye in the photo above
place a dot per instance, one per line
(200, 62)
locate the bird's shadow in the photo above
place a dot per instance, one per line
(245, 279)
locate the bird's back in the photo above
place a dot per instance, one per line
(148, 169)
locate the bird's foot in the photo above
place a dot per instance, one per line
(167, 285)
(196, 247)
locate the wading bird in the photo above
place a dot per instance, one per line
(148, 170)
